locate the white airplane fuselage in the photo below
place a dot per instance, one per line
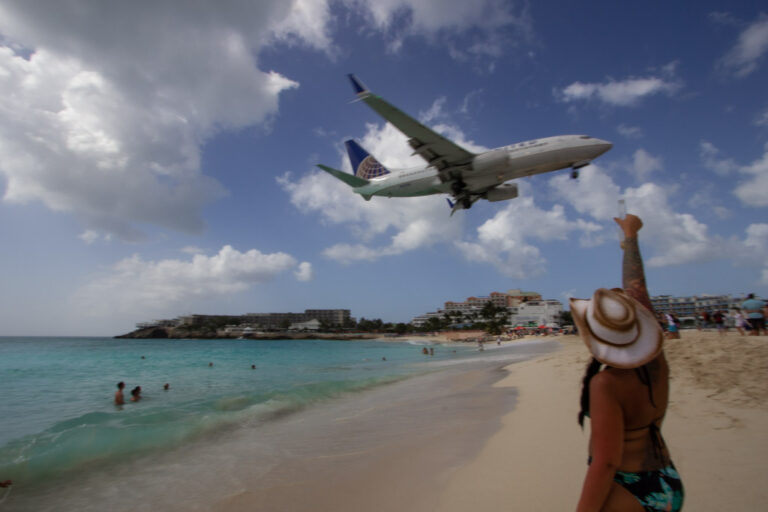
(493, 167)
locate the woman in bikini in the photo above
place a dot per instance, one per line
(625, 394)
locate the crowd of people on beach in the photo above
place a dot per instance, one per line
(748, 318)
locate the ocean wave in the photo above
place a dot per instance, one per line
(97, 439)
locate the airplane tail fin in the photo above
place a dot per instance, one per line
(364, 165)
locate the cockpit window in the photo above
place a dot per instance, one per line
(585, 137)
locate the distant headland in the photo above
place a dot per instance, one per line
(312, 324)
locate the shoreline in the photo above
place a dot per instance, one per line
(496, 432)
(390, 443)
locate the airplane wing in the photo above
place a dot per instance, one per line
(438, 151)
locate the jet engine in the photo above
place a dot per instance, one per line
(502, 192)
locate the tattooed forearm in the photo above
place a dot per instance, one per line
(633, 275)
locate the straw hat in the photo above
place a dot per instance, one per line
(618, 330)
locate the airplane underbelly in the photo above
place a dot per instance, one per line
(423, 187)
(544, 162)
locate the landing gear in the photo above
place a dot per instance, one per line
(574, 174)
(466, 202)
(457, 186)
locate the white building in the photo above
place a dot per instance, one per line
(536, 312)
(310, 325)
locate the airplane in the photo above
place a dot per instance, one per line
(451, 169)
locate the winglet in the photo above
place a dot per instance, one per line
(357, 85)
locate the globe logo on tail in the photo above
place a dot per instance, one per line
(371, 168)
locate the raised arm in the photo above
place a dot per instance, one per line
(633, 275)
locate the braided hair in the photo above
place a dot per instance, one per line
(592, 369)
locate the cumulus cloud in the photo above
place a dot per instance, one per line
(744, 57)
(762, 118)
(108, 124)
(643, 164)
(88, 236)
(383, 227)
(594, 193)
(753, 191)
(139, 287)
(486, 27)
(710, 157)
(677, 238)
(756, 247)
(506, 240)
(621, 93)
(304, 271)
(674, 237)
(109, 105)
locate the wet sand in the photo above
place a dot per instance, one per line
(397, 453)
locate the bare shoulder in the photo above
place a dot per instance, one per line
(607, 380)
(612, 380)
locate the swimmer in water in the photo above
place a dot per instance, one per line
(119, 398)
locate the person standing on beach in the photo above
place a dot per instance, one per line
(119, 398)
(630, 468)
(753, 308)
(738, 320)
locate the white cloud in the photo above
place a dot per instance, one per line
(137, 287)
(754, 190)
(674, 237)
(643, 164)
(708, 199)
(622, 93)
(304, 271)
(752, 45)
(594, 193)
(504, 241)
(762, 118)
(486, 27)
(710, 157)
(630, 132)
(677, 238)
(756, 247)
(108, 124)
(88, 236)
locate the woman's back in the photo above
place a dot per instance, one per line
(643, 394)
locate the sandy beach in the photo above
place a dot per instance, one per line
(533, 457)
(715, 428)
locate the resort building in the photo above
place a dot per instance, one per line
(537, 312)
(525, 308)
(689, 306)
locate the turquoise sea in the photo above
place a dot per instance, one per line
(58, 422)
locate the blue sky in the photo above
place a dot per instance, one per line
(159, 161)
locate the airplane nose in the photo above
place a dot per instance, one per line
(603, 145)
